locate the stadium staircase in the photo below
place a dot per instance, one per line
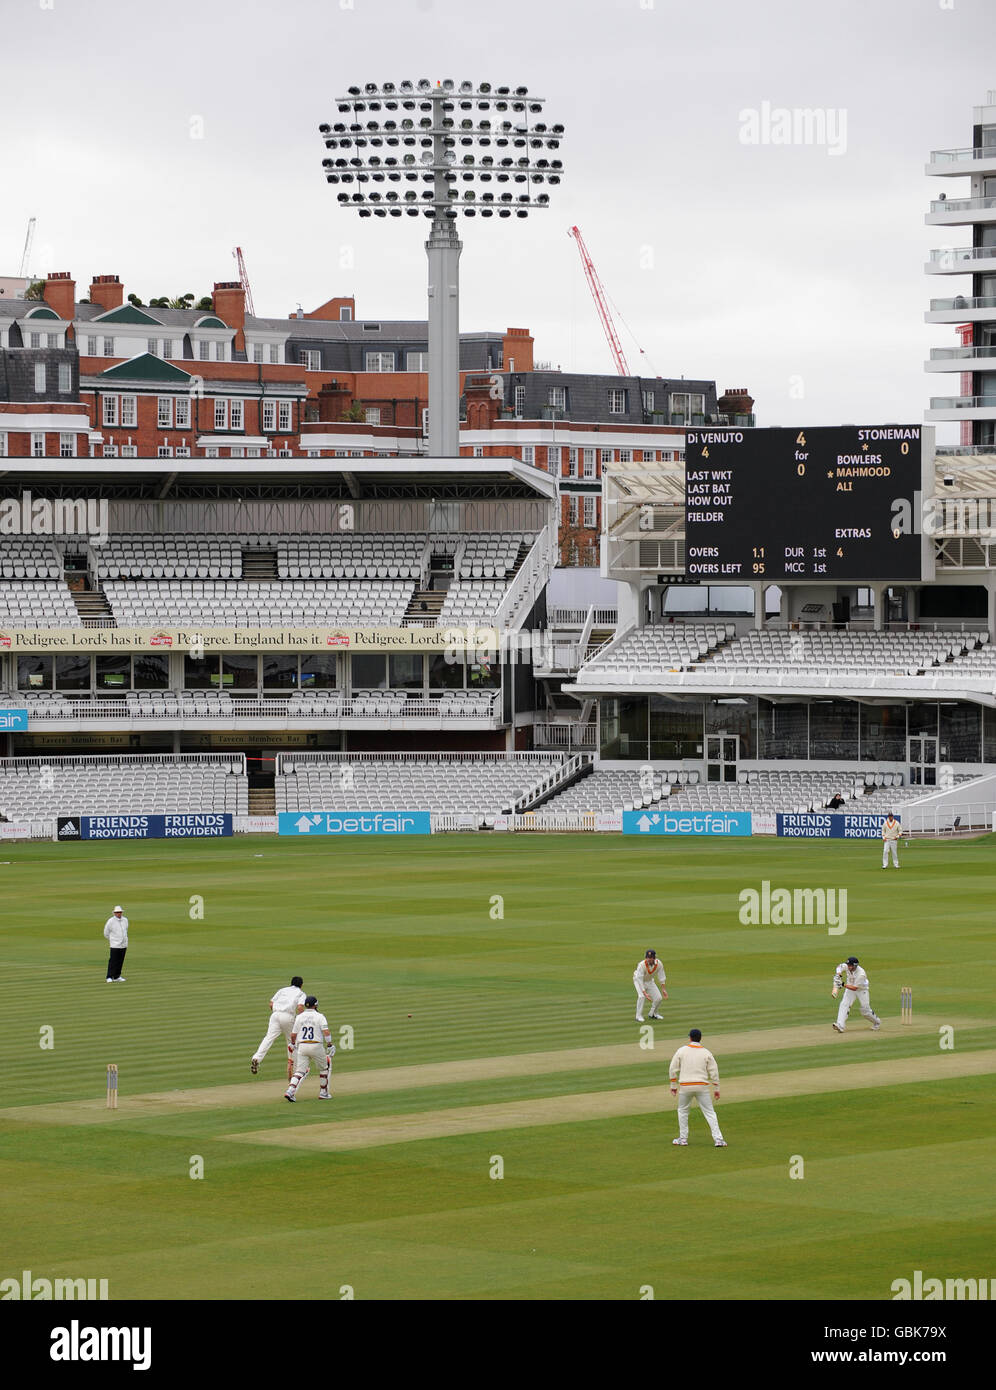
(259, 564)
(558, 780)
(417, 615)
(93, 607)
(263, 800)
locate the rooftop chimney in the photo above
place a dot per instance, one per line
(60, 293)
(107, 291)
(517, 347)
(229, 300)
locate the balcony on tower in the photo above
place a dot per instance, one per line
(962, 260)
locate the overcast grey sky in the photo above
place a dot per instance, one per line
(791, 270)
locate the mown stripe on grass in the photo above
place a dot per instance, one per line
(605, 1105)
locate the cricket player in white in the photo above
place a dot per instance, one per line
(285, 1005)
(314, 1044)
(116, 932)
(852, 979)
(693, 1073)
(646, 977)
(891, 835)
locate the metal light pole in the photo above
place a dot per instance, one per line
(441, 150)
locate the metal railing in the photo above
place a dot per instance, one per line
(962, 204)
(961, 302)
(561, 776)
(964, 156)
(973, 816)
(530, 580)
(949, 255)
(570, 736)
(482, 756)
(479, 709)
(963, 403)
(235, 760)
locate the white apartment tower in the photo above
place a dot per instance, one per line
(973, 309)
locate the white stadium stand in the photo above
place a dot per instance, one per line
(121, 786)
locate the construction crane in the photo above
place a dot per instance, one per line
(244, 278)
(22, 274)
(598, 294)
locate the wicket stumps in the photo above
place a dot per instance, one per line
(906, 1003)
(112, 1086)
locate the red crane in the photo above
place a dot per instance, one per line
(598, 294)
(244, 277)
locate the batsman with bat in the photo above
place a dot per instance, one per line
(647, 976)
(314, 1044)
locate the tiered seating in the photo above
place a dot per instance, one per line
(29, 557)
(27, 603)
(139, 556)
(122, 787)
(764, 790)
(395, 704)
(351, 557)
(470, 602)
(474, 785)
(612, 789)
(490, 557)
(263, 603)
(648, 651)
(843, 653)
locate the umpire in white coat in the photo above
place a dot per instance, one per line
(116, 931)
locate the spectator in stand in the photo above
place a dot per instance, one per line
(835, 802)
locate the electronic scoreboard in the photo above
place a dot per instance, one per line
(828, 503)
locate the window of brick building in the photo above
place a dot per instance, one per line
(183, 412)
(269, 416)
(110, 413)
(65, 378)
(284, 415)
(39, 378)
(37, 444)
(237, 416)
(164, 418)
(67, 446)
(221, 415)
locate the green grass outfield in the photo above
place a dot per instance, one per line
(522, 1046)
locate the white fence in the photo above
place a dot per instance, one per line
(949, 819)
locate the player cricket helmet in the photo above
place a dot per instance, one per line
(311, 1001)
(650, 955)
(852, 960)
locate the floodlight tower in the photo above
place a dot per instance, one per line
(441, 149)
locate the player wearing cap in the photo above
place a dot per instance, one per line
(693, 1073)
(314, 1044)
(647, 976)
(116, 931)
(284, 1006)
(852, 979)
(891, 835)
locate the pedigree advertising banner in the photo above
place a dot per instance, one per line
(271, 639)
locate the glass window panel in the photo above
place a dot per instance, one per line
(280, 671)
(318, 670)
(675, 729)
(624, 725)
(151, 671)
(445, 671)
(406, 670)
(113, 672)
(369, 671)
(782, 730)
(833, 729)
(34, 672)
(197, 672)
(239, 670)
(883, 733)
(72, 671)
(961, 734)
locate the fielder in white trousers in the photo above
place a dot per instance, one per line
(694, 1074)
(285, 1006)
(891, 833)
